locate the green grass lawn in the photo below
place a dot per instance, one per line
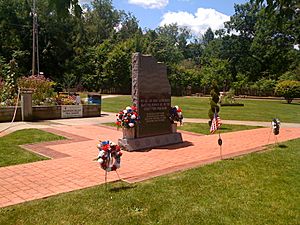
(12, 154)
(203, 128)
(195, 107)
(260, 188)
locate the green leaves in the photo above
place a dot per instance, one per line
(289, 89)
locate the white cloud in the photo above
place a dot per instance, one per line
(198, 22)
(151, 4)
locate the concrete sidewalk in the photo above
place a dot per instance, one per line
(72, 166)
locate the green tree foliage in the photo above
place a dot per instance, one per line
(15, 27)
(291, 75)
(288, 89)
(263, 87)
(101, 20)
(216, 72)
(117, 68)
(167, 39)
(183, 76)
(208, 36)
(62, 7)
(8, 79)
(90, 46)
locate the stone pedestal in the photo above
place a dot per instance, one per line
(174, 127)
(128, 133)
(145, 143)
(26, 105)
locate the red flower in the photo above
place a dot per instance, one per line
(105, 147)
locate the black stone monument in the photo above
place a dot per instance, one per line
(151, 93)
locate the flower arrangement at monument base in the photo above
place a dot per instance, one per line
(176, 115)
(127, 119)
(109, 156)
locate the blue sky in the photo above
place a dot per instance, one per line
(198, 15)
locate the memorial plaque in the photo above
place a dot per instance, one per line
(71, 111)
(151, 93)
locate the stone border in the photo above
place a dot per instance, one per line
(43, 149)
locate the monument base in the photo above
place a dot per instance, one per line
(150, 142)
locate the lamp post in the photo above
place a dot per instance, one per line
(35, 47)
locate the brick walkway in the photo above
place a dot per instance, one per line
(72, 168)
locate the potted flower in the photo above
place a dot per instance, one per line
(175, 116)
(127, 119)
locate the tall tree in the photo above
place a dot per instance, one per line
(208, 36)
(101, 20)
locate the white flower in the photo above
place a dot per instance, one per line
(112, 143)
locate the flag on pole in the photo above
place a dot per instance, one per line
(215, 123)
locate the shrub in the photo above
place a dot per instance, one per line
(263, 87)
(290, 75)
(1, 84)
(288, 89)
(214, 107)
(229, 97)
(266, 87)
(41, 86)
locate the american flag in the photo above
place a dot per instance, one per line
(215, 123)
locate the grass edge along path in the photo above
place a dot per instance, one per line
(197, 107)
(12, 154)
(259, 188)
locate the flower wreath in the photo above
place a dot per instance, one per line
(128, 117)
(109, 156)
(176, 114)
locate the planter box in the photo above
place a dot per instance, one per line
(7, 113)
(91, 110)
(46, 112)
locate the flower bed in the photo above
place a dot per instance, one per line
(47, 112)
